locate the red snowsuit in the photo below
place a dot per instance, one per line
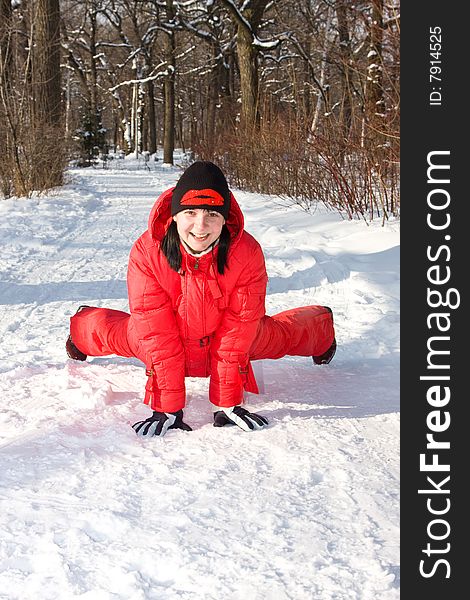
(198, 323)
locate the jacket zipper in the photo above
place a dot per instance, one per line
(186, 329)
(204, 330)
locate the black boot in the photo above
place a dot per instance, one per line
(82, 306)
(72, 351)
(327, 356)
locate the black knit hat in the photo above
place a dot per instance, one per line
(202, 185)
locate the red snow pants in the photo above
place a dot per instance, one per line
(305, 331)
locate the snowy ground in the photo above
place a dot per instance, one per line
(306, 509)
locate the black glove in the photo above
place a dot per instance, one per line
(159, 423)
(236, 415)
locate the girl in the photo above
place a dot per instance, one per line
(197, 285)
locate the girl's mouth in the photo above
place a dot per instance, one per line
(200, 238)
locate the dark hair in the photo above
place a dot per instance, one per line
(171, 248)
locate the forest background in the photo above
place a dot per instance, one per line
(297, 98)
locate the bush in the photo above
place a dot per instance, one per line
(284, 160)
(33, 158)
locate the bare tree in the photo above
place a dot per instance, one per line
(300, 97)
(31, 125)
(247, 19)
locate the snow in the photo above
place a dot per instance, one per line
(306, 509)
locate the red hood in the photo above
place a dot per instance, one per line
(160, 217)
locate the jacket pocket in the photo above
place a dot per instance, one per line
(234, 370)
(248, 303)
(168, 374)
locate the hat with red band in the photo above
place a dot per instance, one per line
(202, 185)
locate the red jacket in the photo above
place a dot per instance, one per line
(196, 323)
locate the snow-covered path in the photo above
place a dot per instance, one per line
(306, 509)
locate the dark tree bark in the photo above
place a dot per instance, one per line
(169, 91)
(212, 101)
(93, 70)
(374, 106)
(5, 43)
(346, 67)
(247, 51)
(47, 62)
(151, 118)
(249, 81)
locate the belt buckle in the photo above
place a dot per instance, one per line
(204, 341)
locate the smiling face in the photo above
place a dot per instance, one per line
(199, 227)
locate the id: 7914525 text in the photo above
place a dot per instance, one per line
(435, 66)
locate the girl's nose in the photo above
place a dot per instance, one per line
(200, 220)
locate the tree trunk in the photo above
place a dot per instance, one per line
(169, 91)
(213, 96)
(374, 103)
(45, 140)
(321, 97)
(135, 111)
(151, 121)
(346, 70)
(5, 43)
(169, 116)
(47, 62)
(226, 106)
(247, 21)
(248, 64)
(93, 85)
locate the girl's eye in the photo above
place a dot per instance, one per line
(213, 214)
